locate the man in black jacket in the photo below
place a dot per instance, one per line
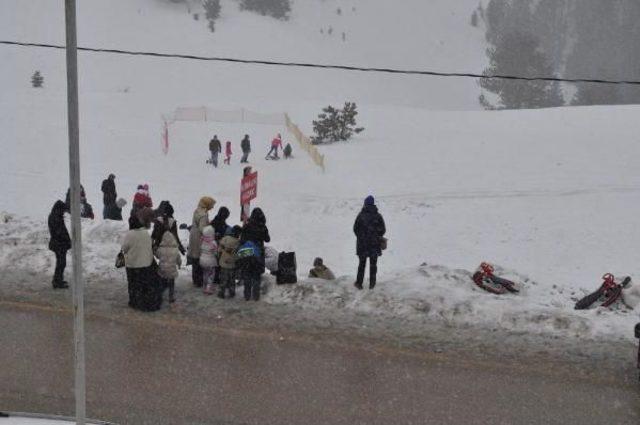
(215, 148)
(369, 228)
(245, 145)
(109, 197)
(255, 230)
(60, 242)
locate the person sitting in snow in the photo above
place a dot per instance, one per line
(320, 271)
(288, 150)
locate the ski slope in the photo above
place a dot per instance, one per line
(549, 195)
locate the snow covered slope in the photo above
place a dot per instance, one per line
(418, 34)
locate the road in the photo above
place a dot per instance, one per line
(148, 370)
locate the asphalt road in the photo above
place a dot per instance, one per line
(152, 370)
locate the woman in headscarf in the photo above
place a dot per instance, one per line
(60, 242)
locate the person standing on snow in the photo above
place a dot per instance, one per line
(228, 153)
(275, 144)
(163, 222)
(60, 242)
(169, 262)
(369, 229)
(220, 226)
(215, 148)
(109, 197)
(199, 222)
(255, 230)
(141, 199)
(245, 145)
(208, 258)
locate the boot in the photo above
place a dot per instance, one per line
(358, 285)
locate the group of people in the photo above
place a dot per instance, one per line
(215, 149)
(220, 255)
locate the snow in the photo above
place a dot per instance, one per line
(548, 195)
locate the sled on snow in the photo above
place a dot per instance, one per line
(607, 294)
(485, 278)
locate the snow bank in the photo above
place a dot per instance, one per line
(418, 295)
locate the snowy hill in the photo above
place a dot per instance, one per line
(549, 194)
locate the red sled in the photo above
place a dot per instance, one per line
(484, 278)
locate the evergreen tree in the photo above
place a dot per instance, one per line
(335, 124)
(212, 12)
(519, 54)
(37, 80)
(278, 9)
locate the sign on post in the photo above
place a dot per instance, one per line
(248, 192)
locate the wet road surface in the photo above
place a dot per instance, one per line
(143, 370)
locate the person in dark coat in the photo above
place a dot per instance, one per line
(86, 210)
(220, 227)
(369, 229)
(255, 230)
(163, 222)
(215, 148)
(245, 145)
(59, 243)
(109, 197)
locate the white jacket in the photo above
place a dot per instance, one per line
(137, 249)
(168, 256)
(208, 248)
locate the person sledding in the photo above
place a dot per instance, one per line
(275, 144)
(609, 292)
(486, 279)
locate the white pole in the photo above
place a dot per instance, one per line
(76, 236)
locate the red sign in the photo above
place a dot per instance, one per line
(249, 188)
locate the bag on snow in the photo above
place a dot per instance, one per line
(120, 260)
(287, 267)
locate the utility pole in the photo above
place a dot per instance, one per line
(76, 229)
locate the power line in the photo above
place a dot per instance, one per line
(328, 66)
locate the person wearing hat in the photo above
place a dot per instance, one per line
(199, 222)
(369, 229)
(320, 271)
(109, 197)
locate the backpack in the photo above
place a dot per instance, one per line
(286, 268)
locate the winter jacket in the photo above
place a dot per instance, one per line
(228, 149)
(109, 191)
(227, 252)
(219, 222)
(322, 272)
(208, 248)
(245, 145)
(288, 150)
(60, 240)
(83, 197)
(199, 222)
(137, 249)
(141, 199)
(369, 229)
(255, 230)
(215, 146)
(276, 143)
(161, 225)
(169, 257)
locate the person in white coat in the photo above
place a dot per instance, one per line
(170, 261)
(208, 257)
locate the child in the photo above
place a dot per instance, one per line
(208, 257)
(169, 257)
(288, 150)
(320, 271)
(228, 153)
(228, 246)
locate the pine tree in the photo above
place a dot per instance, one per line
(278, 9)
(37, 80)
(519, 54)
(335, 124)
(212, 12)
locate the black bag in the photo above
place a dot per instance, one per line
(286, 268)
(120, 260)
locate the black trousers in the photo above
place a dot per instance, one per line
(373, 269)
(196, 272)
(251, 286)
(245, 157)
(61, 264)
